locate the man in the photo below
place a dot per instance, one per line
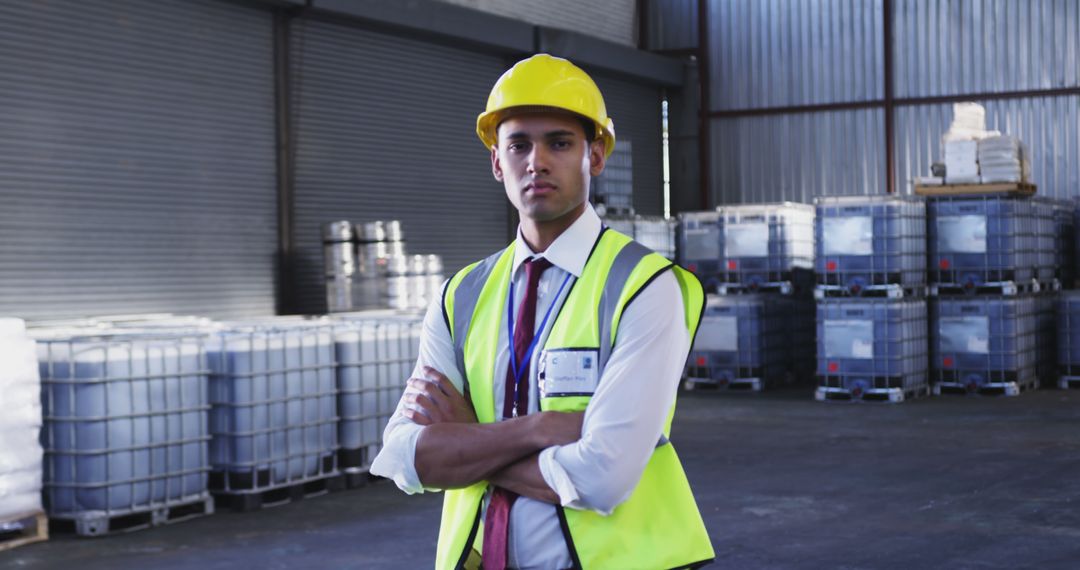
(546, 383)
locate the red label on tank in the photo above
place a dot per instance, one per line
(830, 266)
(833, 367)
(947, 362)
(944, 264)
(701, 361)
(732, 265)
(692, 268)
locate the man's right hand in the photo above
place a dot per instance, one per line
(438, 400)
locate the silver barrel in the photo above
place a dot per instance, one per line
(399, 294)
(380, 231)
(433, 279)
(339, 251)
(339, 294)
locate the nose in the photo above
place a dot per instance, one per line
(538, 161)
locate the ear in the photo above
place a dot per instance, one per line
(496, 166)
(597, 157)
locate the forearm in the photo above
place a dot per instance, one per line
(453, 455)
(524, 478)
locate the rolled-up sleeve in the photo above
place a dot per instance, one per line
(397, 459)
(625, 418)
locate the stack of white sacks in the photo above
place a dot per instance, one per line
(974, 154)
(961, 143)
(1002, 159)
(20, 423)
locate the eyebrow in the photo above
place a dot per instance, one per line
(518, 135)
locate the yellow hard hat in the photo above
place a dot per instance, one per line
(545, 81)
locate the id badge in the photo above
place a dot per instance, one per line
(568, 372)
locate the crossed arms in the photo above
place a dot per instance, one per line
(454, 451)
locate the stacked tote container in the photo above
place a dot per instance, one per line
(984, 344)
(376, 354)
(699, 246)
(870, 243)
(1065, 242)
(754, 247)
(274, 419)
(1046, 336)
(759, 331)
(871, 311)
(654, 232)
(1068, 339)
(992, 330)
(742, 342)
(1047, 256)
(126, 433)
(983, 243)
(766, 246)
(871, 348)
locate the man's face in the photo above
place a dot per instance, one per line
(546, 164)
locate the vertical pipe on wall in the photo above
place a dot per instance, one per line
(705, 104)
(890, 126)
(286, 275)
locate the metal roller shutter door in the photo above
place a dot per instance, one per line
(136, 158)
(385, 129)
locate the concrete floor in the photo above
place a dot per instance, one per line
(782, 482)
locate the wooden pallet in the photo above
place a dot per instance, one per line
(24, 529)
(1017, 188)
(106, 523)
(889, 395)
(258, 499)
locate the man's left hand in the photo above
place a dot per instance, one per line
(434, 399)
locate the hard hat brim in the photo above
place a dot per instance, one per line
(487, 124)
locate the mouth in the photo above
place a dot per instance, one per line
(540, 187)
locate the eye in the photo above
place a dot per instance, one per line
(517, 146)
(561, 144)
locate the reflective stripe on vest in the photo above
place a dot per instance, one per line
(659, 525)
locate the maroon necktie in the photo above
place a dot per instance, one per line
(497, 521)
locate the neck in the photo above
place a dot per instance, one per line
(541, 234)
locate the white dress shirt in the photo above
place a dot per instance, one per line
(623, 421)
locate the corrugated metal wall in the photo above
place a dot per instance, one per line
(612, 20)
(949, 47)
(635, 110)
(385, 129)
(136, 158)
(777, 53)
(770, 54)
(797, 156)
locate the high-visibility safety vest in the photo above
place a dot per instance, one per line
(659, 526)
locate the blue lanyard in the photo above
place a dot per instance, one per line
(518, 372)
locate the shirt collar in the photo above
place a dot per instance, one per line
(570, 250)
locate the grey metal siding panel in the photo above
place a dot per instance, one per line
(776, 53)
(612, 20)
(797, 156)
(672, 24)
(635, 110)
(385, 129)
(1049, 126)
(980, 46)
(136, 158)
